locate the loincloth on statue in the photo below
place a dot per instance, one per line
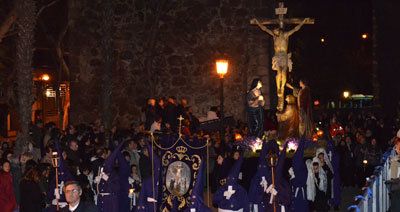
(282, 60)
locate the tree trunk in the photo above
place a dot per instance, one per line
(26, 23)
(108, 57)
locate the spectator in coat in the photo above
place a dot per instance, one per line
(32, 198)
(7, 197)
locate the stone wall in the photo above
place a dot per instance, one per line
(167, 50)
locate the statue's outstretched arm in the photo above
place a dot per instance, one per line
(289, 86)
(297, 28)
(262, 27)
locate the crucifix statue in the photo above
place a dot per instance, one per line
(281, 61)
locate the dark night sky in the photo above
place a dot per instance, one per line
(344, 60)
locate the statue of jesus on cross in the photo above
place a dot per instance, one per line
(281, 62)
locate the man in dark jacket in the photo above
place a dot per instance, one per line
(73, 193)
(150, 113)
(172, 113)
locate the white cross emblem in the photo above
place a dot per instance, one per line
(101, 175)
(272, 191)
(228, 193)
(330, 155)
(264, 183)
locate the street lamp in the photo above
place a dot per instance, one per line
(346, 94)
(45, 77)
(222, 69)
(364, 36)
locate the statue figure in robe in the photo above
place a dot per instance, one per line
(255, 110)
(305, 108)
(289, 119)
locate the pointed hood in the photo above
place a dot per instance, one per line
(146, 196)
(234, 171)
(109, 162)
(256, 191)
(197, 201)
(299, 166)
(262, 160)
(64, 175)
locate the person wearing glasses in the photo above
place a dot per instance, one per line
(73, 192)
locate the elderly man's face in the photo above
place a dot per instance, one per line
(72, 194)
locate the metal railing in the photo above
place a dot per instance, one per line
(375, 196)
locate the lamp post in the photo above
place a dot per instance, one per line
(55, 160)
(44, 78)
(346, 95)
(222, 69)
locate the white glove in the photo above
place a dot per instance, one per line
(97, 179)
(61, 204)
(264, 184)
(291, 173)
(57, 193)
(272, 191)
(149, 199)
(104, 176)
(131, 180)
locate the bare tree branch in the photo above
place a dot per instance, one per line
(12, 17)
(46, 6)
(6, 25)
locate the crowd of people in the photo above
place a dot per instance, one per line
(27, 179)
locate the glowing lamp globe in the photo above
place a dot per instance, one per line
(45, 77)
(222, 67)
(364, 36)
(346, 94)
(48, 93)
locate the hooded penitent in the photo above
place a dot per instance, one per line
(232, 197)
(197, 201)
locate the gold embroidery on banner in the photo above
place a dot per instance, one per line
(180, 155)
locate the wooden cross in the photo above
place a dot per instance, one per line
(180, 125)
(281, 20)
